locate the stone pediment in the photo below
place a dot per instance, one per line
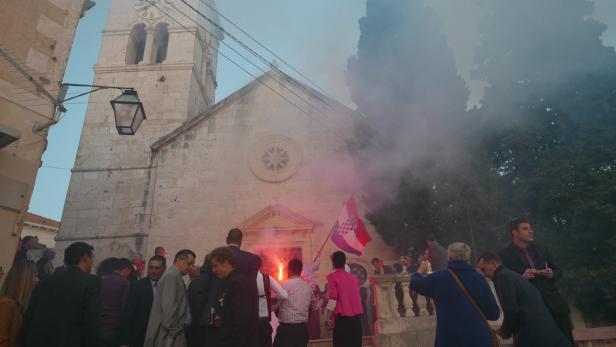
(241, 93)
(276, 218)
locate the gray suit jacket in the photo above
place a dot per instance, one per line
(169, 315)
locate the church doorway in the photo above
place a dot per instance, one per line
(278, 235)
(274, 260)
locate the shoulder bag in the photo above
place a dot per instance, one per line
(495, 341)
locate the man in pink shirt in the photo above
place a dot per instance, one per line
(345, 303)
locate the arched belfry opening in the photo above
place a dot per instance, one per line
(160, 43)
(136, 44)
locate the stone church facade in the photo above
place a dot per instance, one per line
(279, 171)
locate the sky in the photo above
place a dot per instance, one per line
(315, 37)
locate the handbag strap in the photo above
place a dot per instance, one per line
(469, 297)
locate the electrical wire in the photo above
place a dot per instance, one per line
(55, 167)
(242, 68)
(252, 51)
(243, 56)
(212, 8)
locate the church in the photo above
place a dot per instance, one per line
(272, 158)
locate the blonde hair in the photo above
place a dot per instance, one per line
(19, 283)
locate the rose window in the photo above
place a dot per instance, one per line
(275, 158)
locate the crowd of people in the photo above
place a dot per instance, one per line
(230, 300)
(525, 277)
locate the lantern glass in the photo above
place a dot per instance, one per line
(128, 111)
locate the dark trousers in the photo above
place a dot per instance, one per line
(291, 335)
(347, 331)
(213, 337)
(108, 337)
(563, 321)
(264, 334)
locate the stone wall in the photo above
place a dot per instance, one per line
(208, 178)
(37, 35)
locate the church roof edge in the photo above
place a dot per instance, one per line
(189, 124)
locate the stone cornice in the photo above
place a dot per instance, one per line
(145, 67)
(99, 237)
(116, 32)
(83, 169)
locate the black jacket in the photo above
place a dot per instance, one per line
(64, 311)
(197, 297)
(237, 326)
(137, 312)
(247, 264)
(208, 290)
(513, 259)
(525, 314)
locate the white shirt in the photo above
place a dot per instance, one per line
(154, 284)
(274, 287)
(296, 308)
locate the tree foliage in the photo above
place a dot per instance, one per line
(542, 145)
(417, 150)
(549, 124)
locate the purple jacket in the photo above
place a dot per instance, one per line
(114, 292)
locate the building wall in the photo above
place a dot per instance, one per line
(38, 35)
(110, 183)
(205, 184)
(125, 199)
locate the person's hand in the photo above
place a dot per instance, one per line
(329, 324)
(423, 267)
(529, 273)
(502, 334)
(547, 273)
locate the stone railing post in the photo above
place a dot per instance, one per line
(408, 303)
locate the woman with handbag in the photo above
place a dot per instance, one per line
(464, 301)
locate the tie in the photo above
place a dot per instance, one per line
(530, 260)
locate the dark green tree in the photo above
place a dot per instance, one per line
(549, 123)
(414, 150)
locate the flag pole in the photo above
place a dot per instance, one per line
(323, 245)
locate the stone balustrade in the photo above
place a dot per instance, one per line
(397, 325)
(596, 337)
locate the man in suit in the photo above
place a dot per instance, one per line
(247, 264)
(535, 263)
(64, 310)
(208, 287)
(115, 287)
(235, 318)
(170, 315)
(139, 303)
(525, 315)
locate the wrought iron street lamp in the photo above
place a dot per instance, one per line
(128, 111)
(127, 108)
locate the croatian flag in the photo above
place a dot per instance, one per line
(349, 233)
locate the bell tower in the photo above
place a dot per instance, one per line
(167, 53)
